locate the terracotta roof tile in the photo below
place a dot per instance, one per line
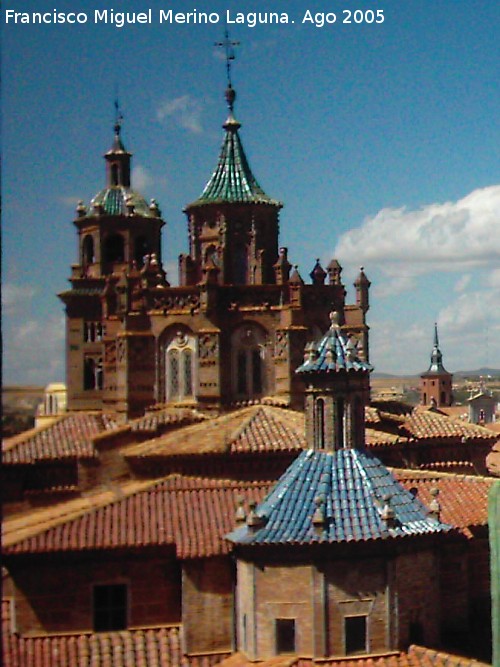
(463, 498)
(251, 429)
(270, 429)
(70, 437)
(431, 425)
(166, 418)
(138, 647)
(189, 513)
(194, 513)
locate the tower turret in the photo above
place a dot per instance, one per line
(436, 383)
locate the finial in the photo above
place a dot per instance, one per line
(118, 117)
(228, 46)
(436, 338)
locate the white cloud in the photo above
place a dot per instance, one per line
(444, 237)
(463, 282)
(141, 178)
(15, 297)
(184, 110)
(34, 351)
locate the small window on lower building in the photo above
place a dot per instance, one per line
(285, 635)
(355, 634)
(110, 607)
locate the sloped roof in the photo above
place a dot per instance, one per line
(334, 352)
(351, 490)
(158, 419)
(191, 514)
(251, 429)
(194, 514)
(70, 437)
(233, 180)
(417, 656)
(429, 425)
(463, 498)
(145, 646)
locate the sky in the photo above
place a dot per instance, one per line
(380, 138)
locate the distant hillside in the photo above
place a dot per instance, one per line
(493, 372)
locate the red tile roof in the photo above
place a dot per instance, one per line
(417, 656)
(148, 647)
(162, 419)
(433, 425)
(70, 437)
(463, 498)
(270, 429)
(192, 514)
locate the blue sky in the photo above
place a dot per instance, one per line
(381, 140)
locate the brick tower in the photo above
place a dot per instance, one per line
(234, 329)
(436, 383)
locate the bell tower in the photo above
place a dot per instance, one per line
(117, 233)
(233, 225)
(436, 383)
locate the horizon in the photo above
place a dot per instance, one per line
(381, 141)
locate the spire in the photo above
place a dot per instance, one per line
(118, 158)
(233, 180)
(436, 355)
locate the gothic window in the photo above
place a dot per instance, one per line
(114, 248)
(179, 367)
(339, 423)
(240, 263)
(285, 635)
(355, 635)
(92, 373)
(212, 255)
(140, 249)
(319, 423)
(88, 250)
(92, 332)
(114, 174)
(248, 357)
(110, 607)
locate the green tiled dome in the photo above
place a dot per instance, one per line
(114, 199)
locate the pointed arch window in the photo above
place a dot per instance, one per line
(88, 250)
(114, 248)
(179, 367)
(93, 377)
(248, 362)
(319, 423)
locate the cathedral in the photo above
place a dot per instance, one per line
(235, 328)
(217, 493)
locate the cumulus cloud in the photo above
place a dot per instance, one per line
(184, 110)
(141, 178)
(444, 236)
(34, 351)
(463, 282)
(15, 296)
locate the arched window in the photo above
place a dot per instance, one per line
(338, 425)
(240, 263)
(179, 367)
(140, 249)
(114, 248)
(88, 250)
(248, 357)
(93, 377)
(114, 174)
(319, 423)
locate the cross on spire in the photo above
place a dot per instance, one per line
(228, 46)
(118, 116)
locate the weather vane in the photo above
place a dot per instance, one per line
(118, 114)
(228, 46)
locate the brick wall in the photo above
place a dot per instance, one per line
(55, 595)
(207, 604)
